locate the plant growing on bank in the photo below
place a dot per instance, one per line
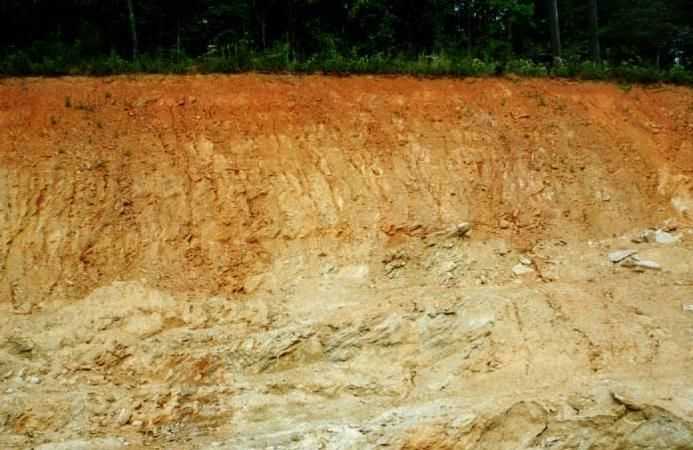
(525, 67)
(278, 59)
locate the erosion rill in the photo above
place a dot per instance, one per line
(256, 262)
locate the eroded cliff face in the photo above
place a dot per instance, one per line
(193, 184)
(273, 262)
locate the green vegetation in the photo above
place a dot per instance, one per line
(277, 61)
(641, 41)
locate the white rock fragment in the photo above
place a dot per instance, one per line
(636, 263)
(123, 417)
(644, 236)
(460, 230)
(525, 261)
(662, 237)
(520, 269)
(687, 308)
(659, 236)
(620, 255)
(646, 264)
(629, 258)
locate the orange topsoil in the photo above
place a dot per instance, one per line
(195, 183)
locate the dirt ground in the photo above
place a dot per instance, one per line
(283, 262)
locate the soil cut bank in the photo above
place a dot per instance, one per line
(271, 262)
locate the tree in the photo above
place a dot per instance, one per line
(555, 31)
(594, 32)
(644, 30)
(133, 28)
(63, 34)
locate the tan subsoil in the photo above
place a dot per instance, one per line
(266, 262)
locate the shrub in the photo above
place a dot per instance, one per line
(637, 74)
(474, 67)
(110, 65)
(276, 59)
(589, 70)
(56, 58)
(679, 75)
(526, 68)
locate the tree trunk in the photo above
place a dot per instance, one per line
(178, 39)
(133, 28)
(468, 13)
(263, 31)
(555, 31)
(594, 32)
(289, 25)
(261, 18)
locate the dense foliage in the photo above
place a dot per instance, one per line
(636, 40)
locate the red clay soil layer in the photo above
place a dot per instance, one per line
(193, 183)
